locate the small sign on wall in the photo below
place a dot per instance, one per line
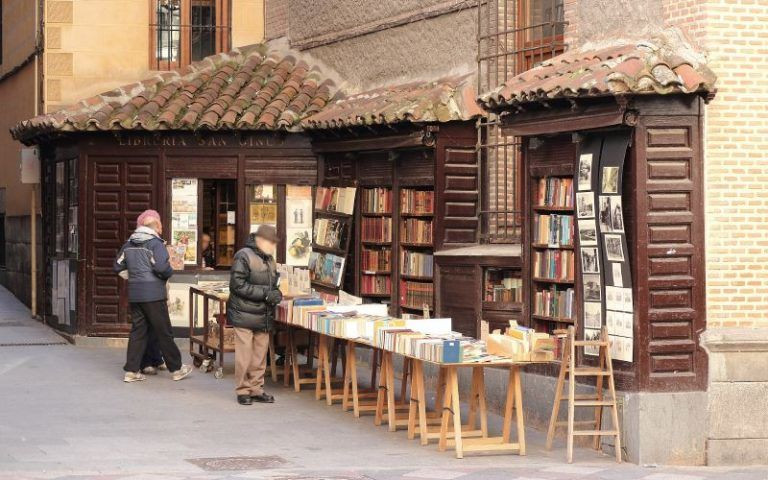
(30, 165)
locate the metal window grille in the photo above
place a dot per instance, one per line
(513, 36)
(184, 31)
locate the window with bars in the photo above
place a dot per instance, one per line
(513, 36)
(184, 31)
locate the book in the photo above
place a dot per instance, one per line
(416, 231)
(377, 229)
(375, 260)
(416, 264)
(554, 230)
(375, 284)
(376, 200)
(503, 286)
(553, 265)
(417, 202)
(554, 302)
(416, 294)
(330, 232)
(555, 192)
(335, 199)
(326, 268)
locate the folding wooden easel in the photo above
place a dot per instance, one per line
(597, 401)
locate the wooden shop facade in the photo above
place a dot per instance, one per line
(612, 224)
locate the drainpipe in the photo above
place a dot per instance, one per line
(33, 200)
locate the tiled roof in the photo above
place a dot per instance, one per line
(624, 69)
(249, 88)
(451, 98)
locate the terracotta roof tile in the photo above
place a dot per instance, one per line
(250, 88)
(643, 68)
(442, 100)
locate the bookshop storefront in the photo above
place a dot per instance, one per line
(211, 190)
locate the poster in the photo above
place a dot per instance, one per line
(298, 225)
(178, 303)
(263, 213)
(184, 217)
(263, 193)
(176, 255)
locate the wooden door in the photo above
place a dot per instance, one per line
(120, 189)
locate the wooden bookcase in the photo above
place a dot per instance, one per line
(552, 267)
(376, 262)
(416, 249)
(332, 233)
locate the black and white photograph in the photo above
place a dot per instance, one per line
(626, 299)
(621, 348)
(591, 335)
(591, 283)
(619, 323)
(610, 183)
(617, 275)
(585, 171)
(613, 298)
(604, 214)
(585, 205)
(617, 214)
(614, 250)
(593, 317)
(587, 232)
(589, 260)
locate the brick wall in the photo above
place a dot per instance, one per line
(735, 33)
(276, 19)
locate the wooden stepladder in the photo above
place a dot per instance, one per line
(604, 369)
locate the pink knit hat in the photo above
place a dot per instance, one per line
(147, 216)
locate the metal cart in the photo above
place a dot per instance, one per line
(210, 339)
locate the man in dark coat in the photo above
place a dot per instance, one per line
(144, 261)
(253, 296)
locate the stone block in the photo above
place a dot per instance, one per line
(737, 410)
(748, 451)
(60, 64)
(59, 11)
(54, 90)
(53, 37)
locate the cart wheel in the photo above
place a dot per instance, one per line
(219, 373)
(197, 362)
(205, 365)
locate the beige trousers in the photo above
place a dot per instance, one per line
(250, 361)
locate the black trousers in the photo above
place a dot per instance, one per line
(145, 317)
(153, 357)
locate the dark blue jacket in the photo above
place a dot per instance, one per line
(146, 260)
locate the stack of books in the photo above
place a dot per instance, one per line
(509, 291)
(416, 294)
(553, 265)
(553, 302)
(417, 202)
(336, 199)
(416, 264)
(376, 260)
(377, 200)
(553, 229)
(522, 343)
(417, 231)
(555, 192)
(377, 229)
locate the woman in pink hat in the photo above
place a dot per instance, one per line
(145, 261)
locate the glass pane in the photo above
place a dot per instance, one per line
(262, 206)
(168, 29)
(203, 29)
(72, 185)
(541, 16)
(183, 222)
(61, 208)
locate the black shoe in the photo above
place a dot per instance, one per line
(244, 399)
(263, 398)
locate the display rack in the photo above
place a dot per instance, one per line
(331, 237)
(376, 243)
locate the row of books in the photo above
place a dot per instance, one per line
(416, 294)
(330, 232)
(553, 229)
(376, 284)
(553, 264)
(446, 348)
(376, 229)
(555, 192)
(336, 199)
(501, 293)
(417, 202)
(416, 264)
(554, 302)
(376, 260)
(377, 200)
(416, 231)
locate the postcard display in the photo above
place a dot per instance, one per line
(603, 252)
(183, 222)
(334, 207)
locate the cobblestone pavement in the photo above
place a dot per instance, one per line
(66, 414)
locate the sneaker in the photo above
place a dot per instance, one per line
(149, 371)
(131, 377)
(181, 373)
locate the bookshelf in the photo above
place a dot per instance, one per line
(552, 263)
(331, 236)
(416, 241)
(376, 243)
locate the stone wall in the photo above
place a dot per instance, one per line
(17, 258)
